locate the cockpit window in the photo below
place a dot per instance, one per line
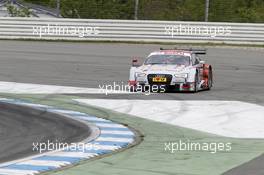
(168, 59)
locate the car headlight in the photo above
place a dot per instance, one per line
(181, 75)
(140, 74)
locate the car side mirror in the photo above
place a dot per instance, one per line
(135, 62)
(202, 62)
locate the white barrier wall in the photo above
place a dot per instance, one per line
(131, 30)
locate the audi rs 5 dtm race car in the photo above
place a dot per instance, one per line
(178, 69)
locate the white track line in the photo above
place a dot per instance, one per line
(16, 172)
(114, 139)
(117, 132)
(45, 163)
(29, 88)
(75, 154)
(110, 125)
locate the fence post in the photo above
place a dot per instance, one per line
(207, 3)
(58, 8)
(136, 9)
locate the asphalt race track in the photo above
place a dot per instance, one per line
(238, 72)
(21, 126)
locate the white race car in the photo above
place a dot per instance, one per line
(178, 69)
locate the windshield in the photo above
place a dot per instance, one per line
(168, 59)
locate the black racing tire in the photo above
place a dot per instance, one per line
(196, 83)
(210, 79)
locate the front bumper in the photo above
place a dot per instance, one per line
(174, 83)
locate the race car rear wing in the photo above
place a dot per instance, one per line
(193, 50)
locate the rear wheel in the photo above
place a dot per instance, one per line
(210, 79)
(196, 83)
